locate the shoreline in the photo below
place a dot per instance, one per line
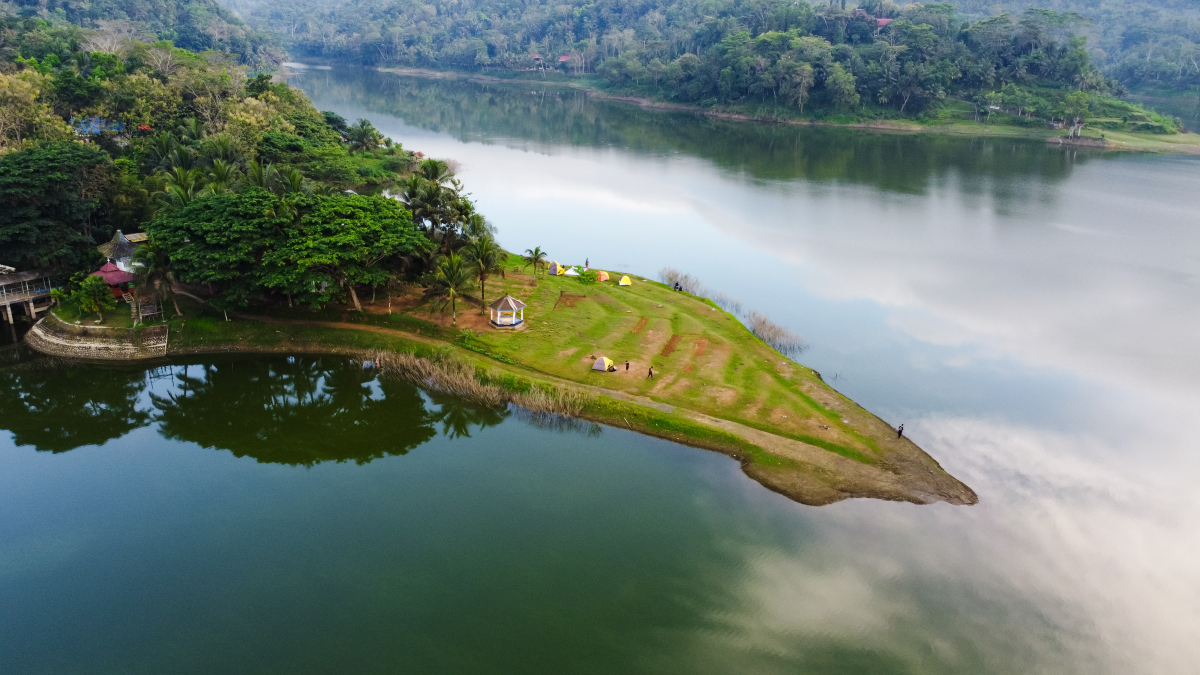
(801, 471)
(1110, 140)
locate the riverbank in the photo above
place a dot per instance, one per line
(1185, 143)
(716, 386)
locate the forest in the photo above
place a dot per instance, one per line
(244, 188)
(874, 60)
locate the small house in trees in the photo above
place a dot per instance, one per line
(507, 312)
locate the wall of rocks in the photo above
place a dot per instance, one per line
(55, 337)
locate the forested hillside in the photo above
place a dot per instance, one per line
(241, 184)
(870, 61)
(1143, 44)
(195, 25)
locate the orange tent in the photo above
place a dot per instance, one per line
(603, 276)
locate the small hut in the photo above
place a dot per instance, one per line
(115, 277)
(119, 250)
(507, 312)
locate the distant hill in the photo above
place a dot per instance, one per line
(195, 25)
(1146, 45)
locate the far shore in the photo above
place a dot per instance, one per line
(1185, 143)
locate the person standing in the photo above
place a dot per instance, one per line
(586, 263)
(651, 375)
(626, 365)
(900, 432)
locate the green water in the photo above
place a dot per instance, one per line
(1030, 313)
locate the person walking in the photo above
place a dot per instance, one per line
(651, 375)
(900, 432)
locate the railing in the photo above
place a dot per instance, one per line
(24, 290)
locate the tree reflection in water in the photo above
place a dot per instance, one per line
(59, 408)
(299, 411)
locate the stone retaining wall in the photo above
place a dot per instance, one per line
(55, 337)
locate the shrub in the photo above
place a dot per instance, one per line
(781, 339)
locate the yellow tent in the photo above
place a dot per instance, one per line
(602, 364)
(556, 269)
(603, 276)
(625, 281)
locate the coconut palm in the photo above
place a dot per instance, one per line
(152, 268)
(223, 177)
(536, 258)
(291, 181)
(180, 187)
(363, 136)
(261, 175)
(435, 171)
(220, 146)
(484, 256)
(191, 131)
(451, 280)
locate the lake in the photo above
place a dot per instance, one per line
(1030, 313)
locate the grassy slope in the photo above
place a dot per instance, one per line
(736, 395)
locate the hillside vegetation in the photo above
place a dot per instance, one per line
(766, 57)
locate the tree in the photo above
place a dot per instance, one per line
(484, 256)
(94, 295)
(451, 280)
(49, 198)
(535, 257)
(221, 240)
(363, 136)
(841, 86)
(335, 242)
(152, 269)
(1076, 106)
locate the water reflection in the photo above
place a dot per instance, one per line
(549, 116)
(59, 408)
(300, 411)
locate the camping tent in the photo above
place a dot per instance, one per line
(555, 269)
(602, 364)
(625, 281)
(603, 276)
(571, 272)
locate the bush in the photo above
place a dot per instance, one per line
(589, 277)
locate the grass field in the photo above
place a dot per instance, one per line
(715, 384)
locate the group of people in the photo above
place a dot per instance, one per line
(678, 287)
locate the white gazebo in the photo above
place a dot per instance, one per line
(507, 312)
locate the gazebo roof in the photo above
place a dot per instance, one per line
(118, 247)
(507, 304)
(112, 275)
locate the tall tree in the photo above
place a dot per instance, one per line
(485, 257)
(49, 206)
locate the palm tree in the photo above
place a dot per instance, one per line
(192, 131)
(435, 171)
(535, 257)
(363, 136)
(223, 177)
(451, 281)
(261, 175)
(152, 268)
(220, 146)
(291, 181)
(180, 187)
(484, 256)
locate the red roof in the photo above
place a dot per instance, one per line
(112, 275)
(883, 22)
(564, 58)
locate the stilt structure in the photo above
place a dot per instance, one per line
(28, 290)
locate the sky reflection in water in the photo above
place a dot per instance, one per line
(1031, 314)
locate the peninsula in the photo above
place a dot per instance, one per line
(716, 385)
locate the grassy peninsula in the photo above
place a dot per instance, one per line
(716, 385)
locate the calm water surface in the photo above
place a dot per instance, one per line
(1031, 314)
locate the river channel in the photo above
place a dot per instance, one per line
(1030, 313)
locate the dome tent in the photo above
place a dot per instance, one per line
(625, 281)
(603, 364)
